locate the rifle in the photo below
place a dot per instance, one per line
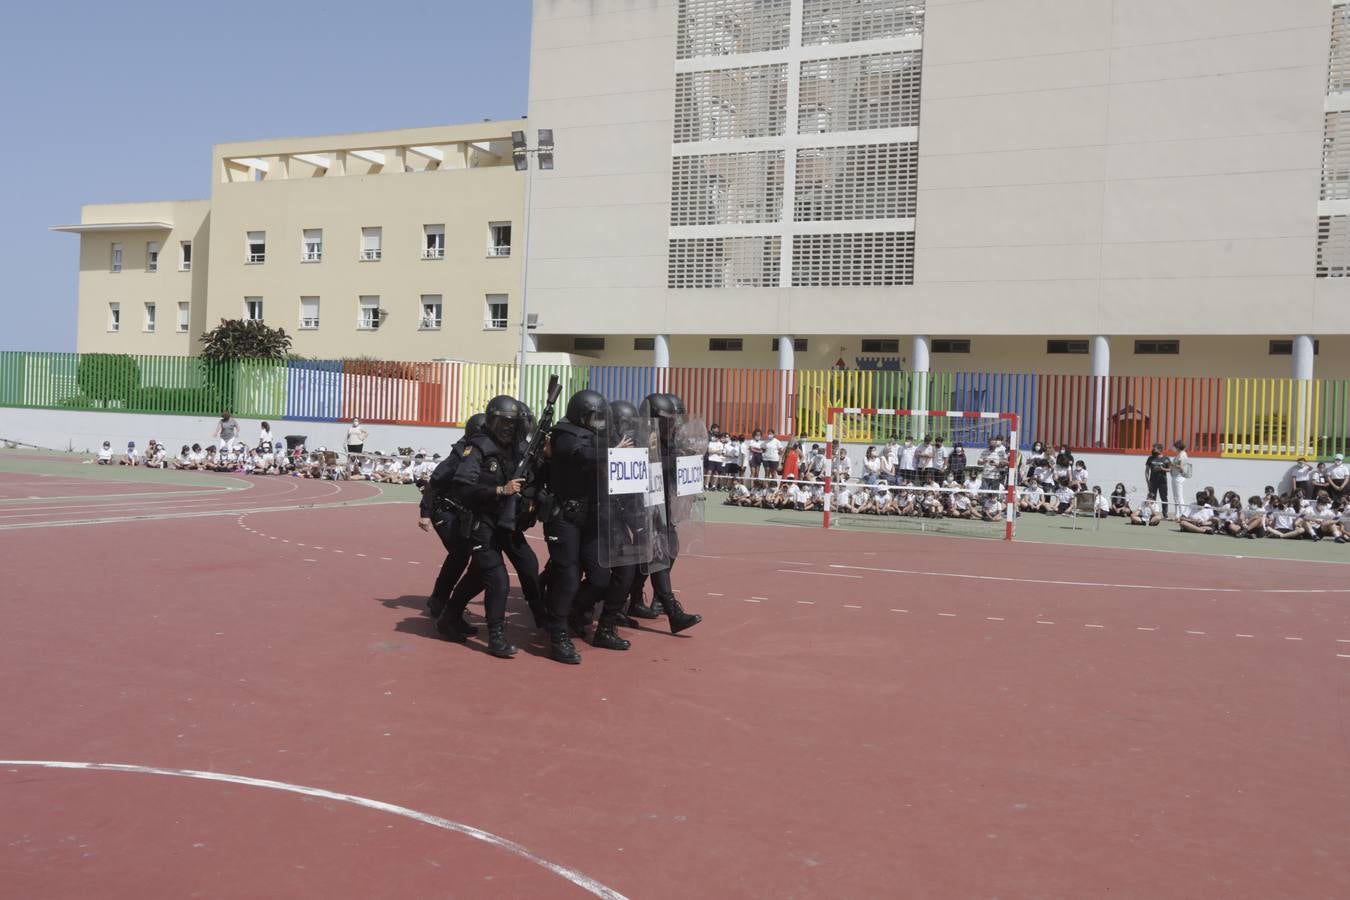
(509, 516)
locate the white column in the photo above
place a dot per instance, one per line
(531, 342)
(918, 356)
(786, 360)
(1305, 443)
(661, 351)
(1101, 368)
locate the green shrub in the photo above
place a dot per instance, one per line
(108, 377)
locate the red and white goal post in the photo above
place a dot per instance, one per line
(834, 436)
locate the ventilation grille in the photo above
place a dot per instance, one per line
(1333, 246)
(725, 262)
(730, 103)
(727, 188)
(723, 27)
(856, 93)
(1338, 74)
(853, 260)
(871, 181)
(1336, 156)
(844, 21)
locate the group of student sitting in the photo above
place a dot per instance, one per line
(1287, 516)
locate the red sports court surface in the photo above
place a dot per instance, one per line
(859, 715)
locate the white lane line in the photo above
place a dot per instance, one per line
(413, 562)
(1043, 622)
(711, 594)
(948, 615)
(307, 559)
(1098, 584)
(1094, 626)
(851, 606)
(362, 555)
(1144, 628)
(752, 600)
(584, 882)
(823, 574)
(339, 551)
(1342, 641)
(1244, 635)
(994, 619)
(807, 602)
(1343, 655)
(1287, 638)
(387, 558)
(752, 597)
(900, 610)
(1195, 632)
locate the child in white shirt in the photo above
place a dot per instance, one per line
(105, 454)
(1149, 513)
(131, 458)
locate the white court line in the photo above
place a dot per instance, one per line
(1098, 584)
(1144, 628)
(1293, 638)
(1244, 635)
(752, 600)
(590, 885)
(1094, 626)
(807, 602)
(900, 610)
(851, 606)
(1342, 641)
(711, 594)
(1043, 622)
(1343, 655)
(825, 574)
(948, 615)
(1195, 632)
(386, 558)
(994, 619)
(753, 597)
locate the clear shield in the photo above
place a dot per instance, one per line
(632, 456)
(678, 525)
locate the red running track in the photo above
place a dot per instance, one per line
(1163, 726)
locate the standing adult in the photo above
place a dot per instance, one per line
(773, 456)
(668, 410)
(1338, 478)
(1180, 471)
(227, 429)
(1156, 469)
(437, 512)
(356, 437)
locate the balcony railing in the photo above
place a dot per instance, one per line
(311, 256)
(257, 257)
(433, 253)
(370, 255)
(499, 250)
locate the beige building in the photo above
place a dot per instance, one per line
(1117, 186)
(393, 245)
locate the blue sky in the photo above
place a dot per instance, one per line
(124, 101)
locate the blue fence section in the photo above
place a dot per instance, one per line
(1000, 392)
(631, 383)
(314, 390)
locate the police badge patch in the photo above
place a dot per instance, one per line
(468, 450)
(492, 465)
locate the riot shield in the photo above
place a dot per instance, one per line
(682, 515)
(632, 455)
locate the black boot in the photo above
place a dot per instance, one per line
(607, 638)
(540, 614)
(561, 649)
(454, 627)
(627, 621)
(679, 619)
(658, 610)
(577, 623)
(639, 610)
(435, 608)
(497, 642)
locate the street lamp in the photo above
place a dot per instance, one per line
(520, 158)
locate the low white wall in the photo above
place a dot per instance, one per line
(85, 431)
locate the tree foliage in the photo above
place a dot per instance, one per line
(236, 339)
(108, 378)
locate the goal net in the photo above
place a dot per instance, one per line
(944, 471)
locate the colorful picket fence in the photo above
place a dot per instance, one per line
(1261, 418)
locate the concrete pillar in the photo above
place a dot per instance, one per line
(531, 342)
(1101, 369)
(1301, 364)
(918, 399)
(1302, 358)
(786, 359)
(661, 351)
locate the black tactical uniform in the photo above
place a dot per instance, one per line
(668, 410)
(572, 530)
(486, 464)
(437, 506)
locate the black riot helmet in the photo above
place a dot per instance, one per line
(505, 420)
(622, 420)
(474, 424)
(587, 409)
(530, 420)
(659, 406)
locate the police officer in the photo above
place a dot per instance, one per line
(571, 530)
(628, 518)
(668, 410)
(483, 478)
(437, 511)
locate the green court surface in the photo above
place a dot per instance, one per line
(1035, 528)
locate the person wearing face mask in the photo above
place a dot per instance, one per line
(993, 465)
(871, 473)
(956, 462)
(908, 453)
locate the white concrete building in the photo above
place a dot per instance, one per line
(1124, 186)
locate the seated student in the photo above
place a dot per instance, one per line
(991, 509)
(184, 458)
(1120, 503)
(131, 457)
(906, 503)
(1229, 518)
(1199, 519)
(1269, 499)
(1254, 518)
(860, 497)
(1078, 477)
(105, 454)
(160, 458)
(1149, 513)
(887, 503)
(842, 501)
(773, 496)
(209, 458)
(962, 507)
(972, 480)
(1063, 500)
(1324, 520)
(738, 495)
(1101, 507)
(1033, 499)
(1044, 475)
(1284, 523)
(843, 468)
(931, 503)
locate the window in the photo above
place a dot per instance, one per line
(256, 247)
(371, 240)
(116, 257)
(644, 343)
(311, 245)
(431, 312)
(881, 345)
(728, 344)
(149, 325)
(1286, 348)
(369, 307)
(496, 312)
(309, 313)
(433, 241)
(152, 256)
(946, 345)
(797, 344)
(1066, 346)
(185, 256)
(114, 317)
(253, 309)
(588, 343)
(499, 239)
(1157, 348)
(183, 320)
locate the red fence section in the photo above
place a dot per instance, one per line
(1130, 413)
(740, 400)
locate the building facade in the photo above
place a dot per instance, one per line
(1136, 186)
(395, 245)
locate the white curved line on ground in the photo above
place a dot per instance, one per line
(1096, 584)
(587, 884)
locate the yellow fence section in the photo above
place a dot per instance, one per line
(820, 389)
(1271, 418)
(480, 382)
